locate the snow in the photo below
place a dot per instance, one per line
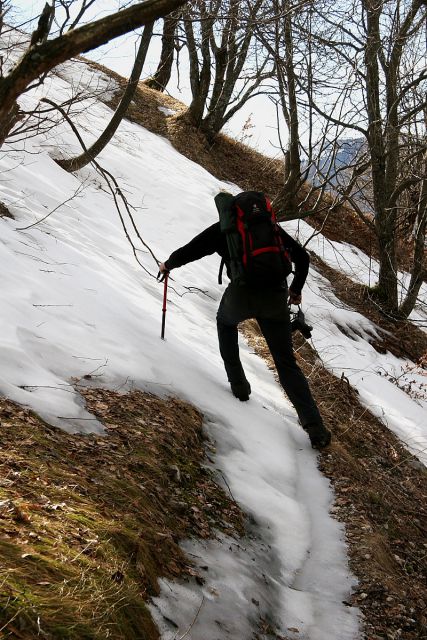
(82, 78)
(167, 111)
(355, 264)
(75, 302)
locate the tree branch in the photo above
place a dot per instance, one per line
(41, 58)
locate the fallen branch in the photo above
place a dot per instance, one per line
(193, 622)
(116, 192)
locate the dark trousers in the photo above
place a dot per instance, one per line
(270, 309)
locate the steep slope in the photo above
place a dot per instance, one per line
(80, 305)
(89, 310)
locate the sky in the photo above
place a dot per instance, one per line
(76, 303)
(119, 55)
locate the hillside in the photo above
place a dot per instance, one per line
(396, 483)
(234, 162)
(86, 324)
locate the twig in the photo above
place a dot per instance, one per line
(67, 418)
(75, 194)
(90, 374)
(194, 290)
(91, 542)
(116, 191)
(228, 486)
(193, 623)
(43, 386)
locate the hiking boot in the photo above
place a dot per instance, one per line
(241, 390)
(319, 435)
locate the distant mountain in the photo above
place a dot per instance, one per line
(333, 158)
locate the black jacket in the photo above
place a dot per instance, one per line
(212, 240)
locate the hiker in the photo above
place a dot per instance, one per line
(260, 296)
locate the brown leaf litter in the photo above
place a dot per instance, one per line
(380, 495)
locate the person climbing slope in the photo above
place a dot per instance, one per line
(258, 255)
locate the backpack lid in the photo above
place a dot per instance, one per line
(224, 203)
(223, 200)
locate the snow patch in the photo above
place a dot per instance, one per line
(167, 111)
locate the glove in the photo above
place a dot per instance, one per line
(163, 272)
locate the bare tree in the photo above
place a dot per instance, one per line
(412, 214)
(160, 79)
(373, 57)
(74, 164)
(224, 72)
(276, 34)
(4, 10)
(44, 54)
(285, 32)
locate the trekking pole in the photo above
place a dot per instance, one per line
(165, 291)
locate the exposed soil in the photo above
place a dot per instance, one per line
(4, 211)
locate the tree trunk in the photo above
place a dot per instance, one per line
(74, 164)
(385, 213)
(292, 181)
(200, 75)
(215, 119)
(210, 106)
(10, 119)
(229, 62)
(418, 272)
(160, 79)
(41, 58)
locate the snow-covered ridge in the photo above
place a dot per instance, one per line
(75, 302)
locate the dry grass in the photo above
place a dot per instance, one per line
(88, 523)
(380, 495)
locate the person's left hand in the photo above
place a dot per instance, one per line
(162, 268)
(294, 298)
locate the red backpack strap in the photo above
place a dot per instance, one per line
(242, 229)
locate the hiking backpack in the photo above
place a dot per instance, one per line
(258, 256)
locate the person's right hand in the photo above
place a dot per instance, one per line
(163, 272)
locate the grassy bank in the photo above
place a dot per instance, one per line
(88, 523)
